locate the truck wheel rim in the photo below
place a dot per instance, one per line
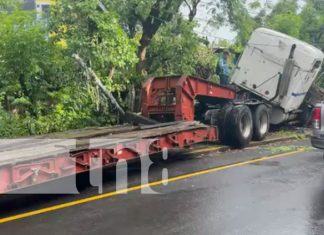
(263, 123)
(246, 126)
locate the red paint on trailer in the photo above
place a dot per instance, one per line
(22, 175)
(175, 96)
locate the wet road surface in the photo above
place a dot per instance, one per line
(281, 195)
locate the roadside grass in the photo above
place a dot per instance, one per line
(298, 135)
(285, 148)
(293, 134)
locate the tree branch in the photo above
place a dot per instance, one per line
(193, 9)
(186, 2)
(91, 75)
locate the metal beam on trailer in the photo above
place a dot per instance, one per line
(175, 96)
(28, 165)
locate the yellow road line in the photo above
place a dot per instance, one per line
(139, 187)
(205, 150)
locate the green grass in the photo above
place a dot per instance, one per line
(282, 134)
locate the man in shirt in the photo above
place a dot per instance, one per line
(223, 69)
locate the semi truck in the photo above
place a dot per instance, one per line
(269, 86)
(271, 81)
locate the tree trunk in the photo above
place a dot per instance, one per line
(192, 15)
(161, 11)
(131, 98)
(192, 9)
(144, 43)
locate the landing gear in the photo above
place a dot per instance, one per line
(261, 122)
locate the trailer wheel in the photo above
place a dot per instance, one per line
(261, 122)
(222, 123)
(240, 126)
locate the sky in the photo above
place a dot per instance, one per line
(212, 33)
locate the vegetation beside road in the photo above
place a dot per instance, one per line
(288, 133)
(42, 89)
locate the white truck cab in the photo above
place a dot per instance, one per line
(279, 70)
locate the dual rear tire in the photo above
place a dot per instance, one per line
(261, 122)
(242, 124)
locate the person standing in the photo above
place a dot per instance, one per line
(223, 69)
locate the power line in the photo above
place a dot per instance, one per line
(213, 36)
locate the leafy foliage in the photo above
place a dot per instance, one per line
(97, 37)
(26, 62)
(235, 14)
(312, 28)
(287, 23)
(284, 18)
(176, 49)
(43, 90)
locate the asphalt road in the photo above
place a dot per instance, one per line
(282, 194)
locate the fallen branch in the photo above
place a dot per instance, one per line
(91, 75)
(126, 116)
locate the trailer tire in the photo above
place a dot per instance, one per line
(240, 126)
(222, 121)
(261, 122)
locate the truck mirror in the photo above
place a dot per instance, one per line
(317, 65)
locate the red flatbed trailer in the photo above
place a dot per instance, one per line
(29, 162)
(37, 160)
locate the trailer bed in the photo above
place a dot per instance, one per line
(35, 148)
(35, 160)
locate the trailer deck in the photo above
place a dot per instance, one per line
(36, 160)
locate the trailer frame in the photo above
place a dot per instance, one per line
(21, 174)
(172, 98)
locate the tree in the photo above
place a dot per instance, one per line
(7, 4)
(29, 65)
(38, 90)
(161, 11)
(312, 28)
(144, 18)
(41, 89)
(233, 13)
(96, 36)
(193, 7)
(284, 18)
(176, 49)
(284, 7)
(287, 23)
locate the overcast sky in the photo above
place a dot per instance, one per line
(212, 33)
